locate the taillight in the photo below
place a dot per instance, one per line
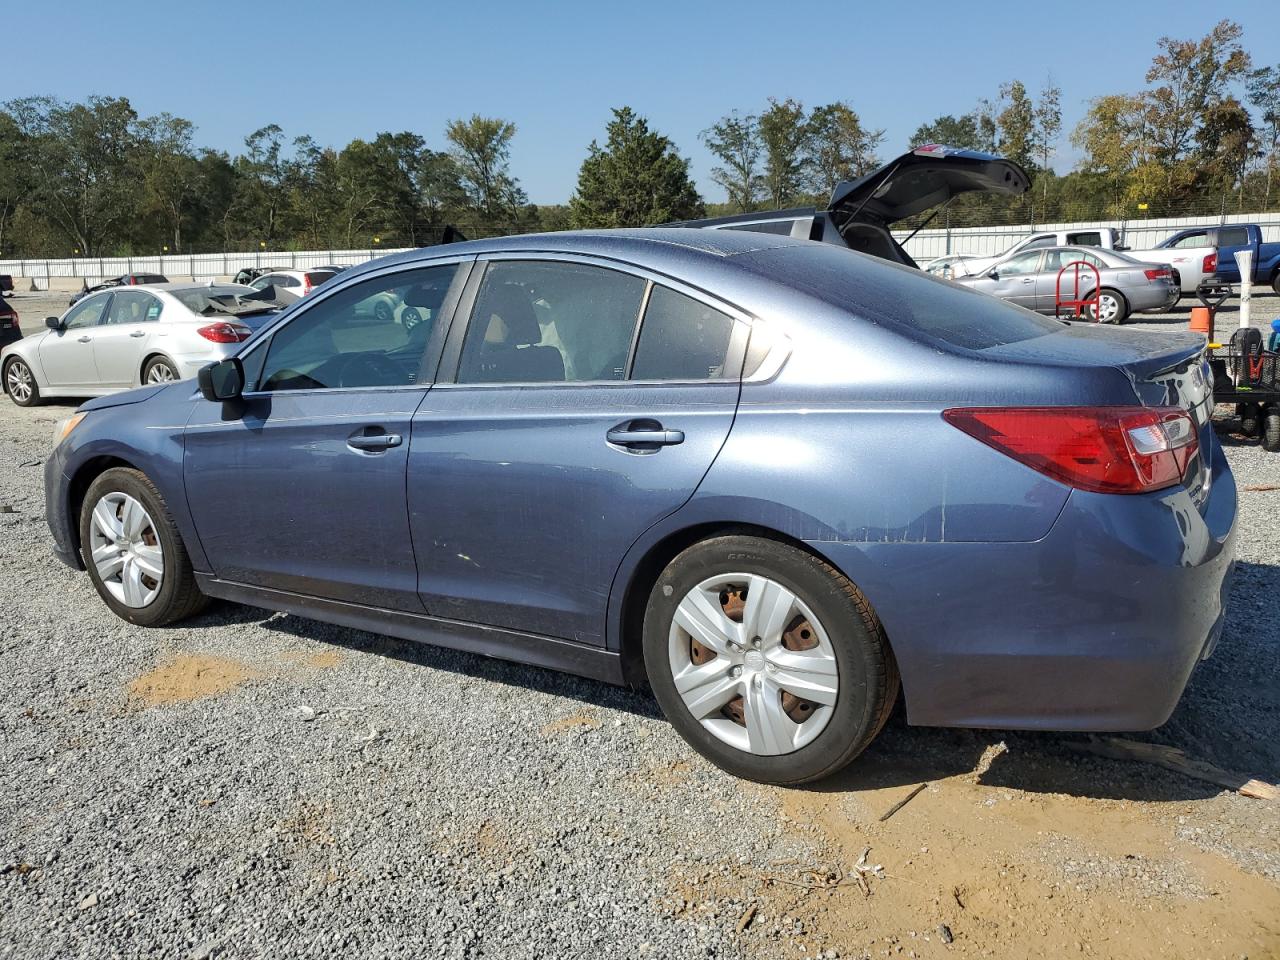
(1210, 262)
(1100, 449)
(1158, 274)
(225, 332)
(306, 284)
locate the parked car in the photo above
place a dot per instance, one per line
(128, 280)
(951, 266)
(1125, 285)
(119, 338)
(726, 466)
(1191, 263)
(1230, 239)
(10, 331)
(291, 285)
(861, 212)
(1105, 238)
(246, 275)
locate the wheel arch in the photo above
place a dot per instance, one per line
(81, 480)
(644, 574)
(154, 355)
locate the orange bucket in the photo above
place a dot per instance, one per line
(1202, 320)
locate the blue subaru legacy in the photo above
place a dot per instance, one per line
(776, 481)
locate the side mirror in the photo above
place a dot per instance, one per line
(53, 323)
(222, 381)
(993, 274)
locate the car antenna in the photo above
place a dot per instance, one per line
(879, 186)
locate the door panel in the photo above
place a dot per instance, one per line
(521, 509)
(118, 341)
(282, 499)
(66, 355)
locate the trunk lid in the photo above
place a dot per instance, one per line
(916, 181)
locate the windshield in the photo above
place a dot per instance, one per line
(223, 301)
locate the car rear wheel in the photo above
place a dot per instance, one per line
(1275, 281)
(382, 311)
(133, 551)
(767, 660)
(1112, 307)
(1271, 431)
(159, 370)
(21, 383)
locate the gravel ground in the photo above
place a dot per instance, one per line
(254, 784)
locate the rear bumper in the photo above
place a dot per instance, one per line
(1097, 626)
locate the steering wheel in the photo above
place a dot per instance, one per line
(369, 370)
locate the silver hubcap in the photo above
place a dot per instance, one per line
(161, 373)
(753, 664)
(126, 551)
(19, 381)
(1108, 308)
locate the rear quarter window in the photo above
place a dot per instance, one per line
(911, 301)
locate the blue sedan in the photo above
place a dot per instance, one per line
(777, 482)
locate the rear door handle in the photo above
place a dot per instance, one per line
(377, 441)
(138, 333)
(629, 435)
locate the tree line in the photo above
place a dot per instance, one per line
(94, 178)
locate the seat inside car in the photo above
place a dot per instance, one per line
(510, 351)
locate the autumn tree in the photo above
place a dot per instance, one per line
(481, 149)
(735, 142)
(840, 147)
(784, 136)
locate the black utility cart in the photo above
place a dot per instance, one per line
(1248, 375)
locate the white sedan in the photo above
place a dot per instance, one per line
(129, 336)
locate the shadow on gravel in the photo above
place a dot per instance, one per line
(1229, 715)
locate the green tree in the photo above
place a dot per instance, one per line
(481, 148)
(840, 147)
(170, 173)
(735, 142)
(961, 131)
(1048, 128)
(1225, 144)
(1017, 124)
(784, 133)
(15, 179)
(637, 178)
(1264, 95)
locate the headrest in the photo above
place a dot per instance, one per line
(511, 302)
(428, 295)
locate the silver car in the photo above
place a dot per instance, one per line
(128, 336)
(1031, 279)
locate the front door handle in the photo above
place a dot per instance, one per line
(84, 339)
(138, 333)
(376, 441)
(644, 433)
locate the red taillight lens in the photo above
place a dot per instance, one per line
(1158, 274)
(1100, 449)
(1210, 263)
(306, 284)
(225, 332)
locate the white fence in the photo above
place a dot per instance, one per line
(199, 266)
(1138, 234)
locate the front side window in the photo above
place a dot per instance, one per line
(682, 339)
(1192, 240)
(1023, 263)
(86, 313)
(548, 322)
(373, 334)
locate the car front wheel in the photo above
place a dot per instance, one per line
(133, 551)
(767, 660)
(21, 383)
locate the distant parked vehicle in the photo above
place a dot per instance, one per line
(1230, 239)
(10, 332)
(116, 339)
(291, 285)
(334, 267)
(247, 275)
(948, 267)
(1105, 238)
(1030, 279)
(128, 280)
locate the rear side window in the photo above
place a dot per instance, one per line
(781, 227)
(1092, 239)
(1232, 236)
(682, 339)
(318, 277)
(899, 297)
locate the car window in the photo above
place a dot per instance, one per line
(1232, 236)
(86, 313)
(682, 339)
(547, 322)
(1022, 263)
(317, 277)
(131, 306)
(1091, 239)
(1193, 240)
(782, 227)
(261, 283)
(286, 280)
(372, 334)
(1038, 242)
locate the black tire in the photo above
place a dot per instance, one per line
(868, 674)
(162, 364)
(1271, 431)
(382, 311)
(1275, 282)
(178, 597)
(15, 368)
(410, 318)
(1250, 415)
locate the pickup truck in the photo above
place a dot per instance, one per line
(1230, 239)
(1108, 238)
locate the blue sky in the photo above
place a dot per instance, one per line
(339, 70)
